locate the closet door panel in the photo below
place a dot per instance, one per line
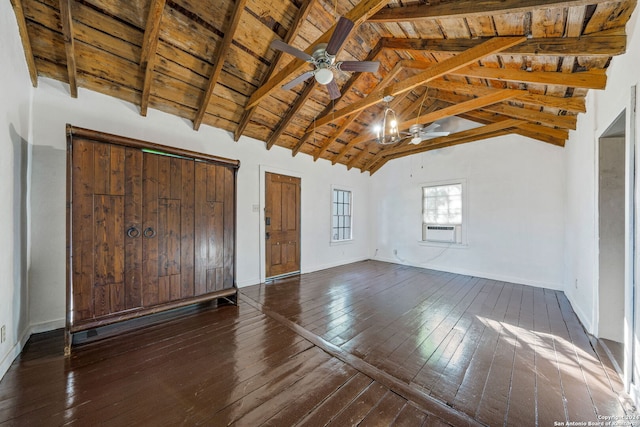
(209, 228)
(133, 227)
(187, 230)
(82, 232)
(229, 227)
(150, 191)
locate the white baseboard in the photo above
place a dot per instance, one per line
(482, 274)
(17, 348)
(333, 264)
(581, 316)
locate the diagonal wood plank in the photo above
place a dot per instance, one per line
(605, 43)
(470, 8)
(222, 55)
(26, 42)
(301, 17)
(69, 45)
(357, 15)
(149, 46)
(439, 69)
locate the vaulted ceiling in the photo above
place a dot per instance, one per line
(511, 66)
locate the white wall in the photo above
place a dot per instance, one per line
(53, 108)
(515, 210)
(603, 107)
(16, 90)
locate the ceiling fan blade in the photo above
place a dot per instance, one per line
(430, 135)
(360, 66)
(431, 127)
(280, 45)
(333, 89)
(295, 82)
(340, 34)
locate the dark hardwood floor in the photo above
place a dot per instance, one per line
(365, 344)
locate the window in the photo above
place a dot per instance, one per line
(442, 212)
(442, 204)
(341, 215)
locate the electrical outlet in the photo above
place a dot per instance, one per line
(576, 283)
(395, 252)
(3, 333)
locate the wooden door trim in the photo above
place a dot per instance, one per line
(264, 169)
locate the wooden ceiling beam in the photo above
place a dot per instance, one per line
(69, 45)
(301, 17)
(459, 108)
(26, 42)
(530, 115)
(572, 104)
(302, 99)
(221, 58)
(437, 70)
(463, 137)
(594, 79)
(451, 110)
(359, 14)
(149, 48)
(603, 44)
(470, 9)
(530, 130)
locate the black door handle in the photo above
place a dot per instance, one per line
(267, 236)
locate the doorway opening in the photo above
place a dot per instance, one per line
(612, 260)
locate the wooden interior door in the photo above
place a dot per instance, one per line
(282, 224)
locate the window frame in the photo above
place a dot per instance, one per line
(348, 190)
(461, 228)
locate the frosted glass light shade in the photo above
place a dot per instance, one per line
(324, 76)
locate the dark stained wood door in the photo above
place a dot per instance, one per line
(106, 219)
(148, 229)
(167, 230)
(282, 224)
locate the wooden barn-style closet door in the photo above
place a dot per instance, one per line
(282, 225)
(106, 249)
(150, 228)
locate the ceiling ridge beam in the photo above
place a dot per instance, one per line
(300, 101)
(471, 8)
(437, 70)
(149, 49)
(605, 43)
(357, 15)
(301, 17)
(26, 42)
(69, 45)
(222, 55)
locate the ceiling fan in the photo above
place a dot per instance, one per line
(418, 133)
(323, 59)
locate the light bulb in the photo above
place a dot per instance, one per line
(324, 76)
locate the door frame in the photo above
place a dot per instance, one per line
(264, 169)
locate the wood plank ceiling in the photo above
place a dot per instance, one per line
(512, 66)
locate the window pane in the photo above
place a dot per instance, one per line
(442, 204)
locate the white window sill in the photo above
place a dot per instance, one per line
(443, 244)
(340, 242)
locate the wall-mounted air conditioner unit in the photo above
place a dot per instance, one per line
(439, 233)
